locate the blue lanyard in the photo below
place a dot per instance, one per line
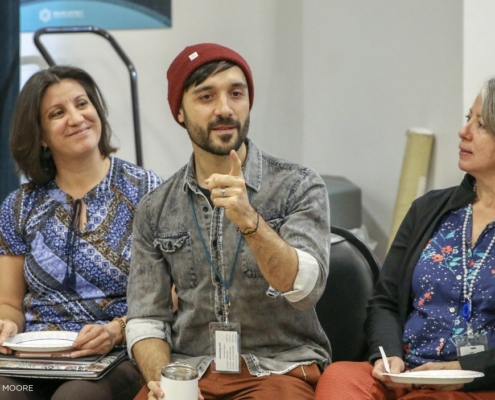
(225, 283)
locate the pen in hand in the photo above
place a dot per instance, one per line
(385, 360)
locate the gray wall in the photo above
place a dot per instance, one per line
(374, 69)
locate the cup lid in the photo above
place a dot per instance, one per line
(179, 372)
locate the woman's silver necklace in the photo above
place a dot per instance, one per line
(467, 290)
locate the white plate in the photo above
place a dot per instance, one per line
(42, 341)
(436, 377)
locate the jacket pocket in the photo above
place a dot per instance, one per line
(177, 250)
(275, 223)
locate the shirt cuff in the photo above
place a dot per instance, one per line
(306, 278)
(141, 328)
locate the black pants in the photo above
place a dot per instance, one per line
(121, 383)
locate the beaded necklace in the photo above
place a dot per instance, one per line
(467, 291)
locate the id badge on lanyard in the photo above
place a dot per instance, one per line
(225, 337)
(225, 343)
(471, 342)
(225, 340)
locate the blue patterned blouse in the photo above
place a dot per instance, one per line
(36, 224)
(437, 287)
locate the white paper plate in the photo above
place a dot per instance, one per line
(42, 341)
(436, 377)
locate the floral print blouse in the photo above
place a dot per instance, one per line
(436, 319)
(36, 224)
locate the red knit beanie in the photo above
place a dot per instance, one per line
(193, 57)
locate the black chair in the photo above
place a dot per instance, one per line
(354, 270)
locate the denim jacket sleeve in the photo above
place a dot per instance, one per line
(305, 226)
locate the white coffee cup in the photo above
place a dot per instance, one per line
(179, 382)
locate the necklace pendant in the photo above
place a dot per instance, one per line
(466, 309)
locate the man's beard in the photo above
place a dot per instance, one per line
(201, 137)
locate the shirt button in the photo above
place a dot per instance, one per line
(452, 309)
(458, 277)
(205, 209)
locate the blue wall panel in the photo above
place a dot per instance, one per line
(105, 14)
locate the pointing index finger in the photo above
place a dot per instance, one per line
(236, 168)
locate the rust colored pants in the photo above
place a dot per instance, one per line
(297, 384)
(353, 380)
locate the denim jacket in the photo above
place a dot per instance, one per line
(277, 334)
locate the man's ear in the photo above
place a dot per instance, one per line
(180, 116)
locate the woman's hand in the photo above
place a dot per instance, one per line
(396, 367)
(7, 329)
(438, 366)
(96, 339)
(12, 291)
(157, 393)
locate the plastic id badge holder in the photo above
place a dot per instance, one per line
(471, 344)
(225, 340)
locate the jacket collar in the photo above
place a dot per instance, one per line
(464, 193)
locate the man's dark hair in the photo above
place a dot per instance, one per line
(205, 71)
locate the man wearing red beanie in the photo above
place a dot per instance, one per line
(245, 238)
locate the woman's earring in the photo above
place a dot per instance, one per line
(46, 155)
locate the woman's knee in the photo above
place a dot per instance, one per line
(23, 389)
(122, 383)
(347, 370)
(343, 379)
